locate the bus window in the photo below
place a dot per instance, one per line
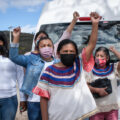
(108, 35)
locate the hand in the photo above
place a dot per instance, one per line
(16, 32)
(95, 18)
(76, 15)
(23, 106)
(112, 48)
(101, 91)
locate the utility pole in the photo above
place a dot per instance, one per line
(10, 33)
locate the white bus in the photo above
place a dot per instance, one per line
(57, 15)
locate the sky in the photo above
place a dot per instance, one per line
(26, 13)
(23, 13)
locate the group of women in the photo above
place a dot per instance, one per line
(60, 84)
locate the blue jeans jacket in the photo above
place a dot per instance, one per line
(33, 64)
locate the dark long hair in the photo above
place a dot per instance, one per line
(40, 32)
(4, 48)
(106, 51)
(65, 42)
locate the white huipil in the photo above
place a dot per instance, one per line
(10, 74)
(111, 101)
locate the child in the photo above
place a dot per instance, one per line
(107, 103)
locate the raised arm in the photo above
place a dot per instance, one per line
(16, 35)
(14, 51)
(93, 37)
(112, 49)
(67, 33)
(73, 22)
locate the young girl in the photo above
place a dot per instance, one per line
(107, 103)
(62, 86)
(35, 63)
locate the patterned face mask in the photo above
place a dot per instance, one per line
(100, 62)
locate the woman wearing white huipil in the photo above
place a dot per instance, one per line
(10, 73)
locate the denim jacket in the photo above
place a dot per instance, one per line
(33, 64)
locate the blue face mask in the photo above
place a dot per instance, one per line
(37, 41)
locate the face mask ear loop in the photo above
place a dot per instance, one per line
(74, 65)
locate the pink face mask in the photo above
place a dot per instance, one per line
(46, 52)
(100, 62)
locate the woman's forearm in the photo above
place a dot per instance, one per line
(16, 35)
(93, 89)
(95, 18)
(44, 108)
(117, 53)
(92, 41)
